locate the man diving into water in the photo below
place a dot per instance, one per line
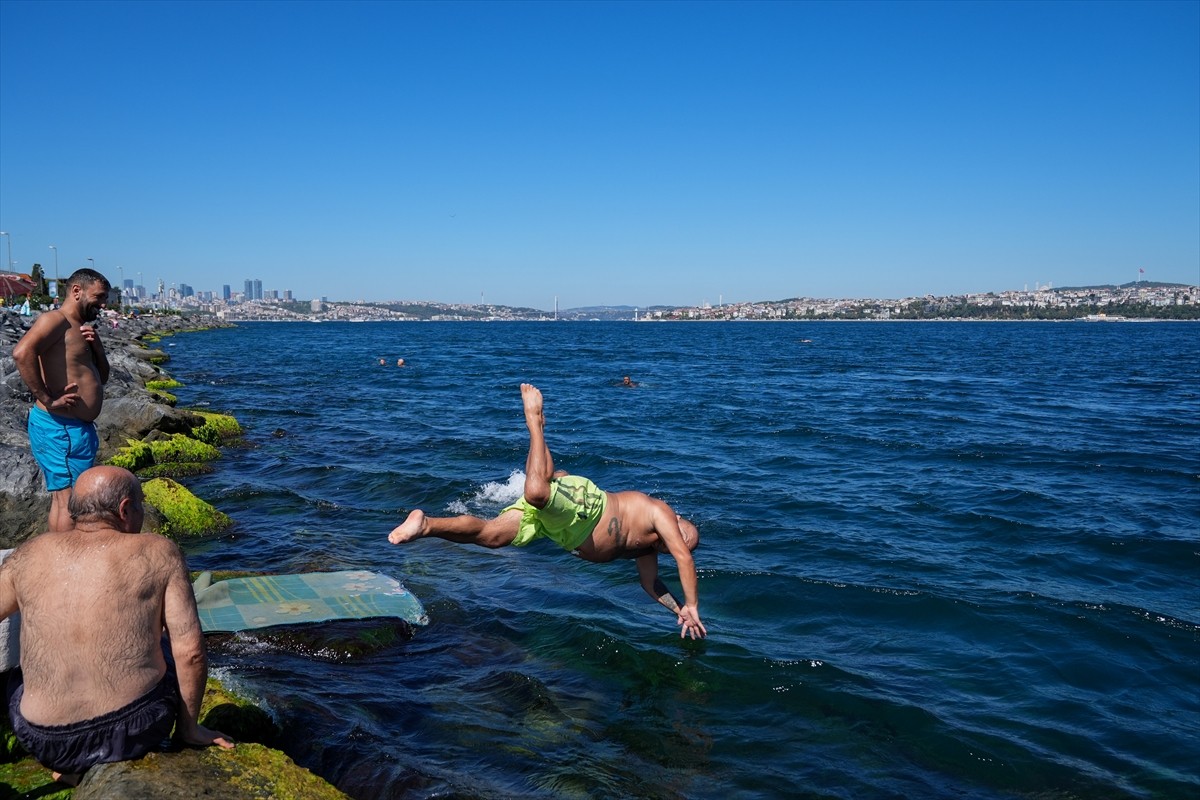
(580, 517)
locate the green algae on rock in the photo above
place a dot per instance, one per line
(217, 428)
(134, 456)
(175, 469)
(183, 514)
(235, 716)
(175, 456)
(158, 386)
(248, 772)
(180, 447)
(27, 778)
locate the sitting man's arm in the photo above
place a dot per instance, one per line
(8, 592)
(191, 659)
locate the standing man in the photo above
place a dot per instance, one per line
(583, 519)
(95, 684)
(62, 361)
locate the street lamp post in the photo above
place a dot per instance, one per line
(93, 262)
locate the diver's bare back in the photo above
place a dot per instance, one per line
(66, 358)
(77, 595)
(625, 530)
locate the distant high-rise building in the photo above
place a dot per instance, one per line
(287, 295)
(225, 293)
(127, 284)
(249, 293)
(258, 295)
(185, 290)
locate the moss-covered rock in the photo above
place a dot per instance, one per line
(163, 385)
(183, 514)
(235, 716)
(217, 428)
(134, 456)
(28, 778)
(174, 456)
(175, 469)
(181, 448)
(248, 772)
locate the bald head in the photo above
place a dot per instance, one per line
(110, 496)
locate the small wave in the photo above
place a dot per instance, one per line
(234, 682)
(492, 494)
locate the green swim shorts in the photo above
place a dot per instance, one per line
(576, 505)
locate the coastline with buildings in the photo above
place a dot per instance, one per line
(1139, 300)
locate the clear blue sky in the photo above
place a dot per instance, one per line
(604, 153)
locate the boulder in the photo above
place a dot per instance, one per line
(134, 417)
(24, 502)
(249, 772)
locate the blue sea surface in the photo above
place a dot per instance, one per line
(938, 560)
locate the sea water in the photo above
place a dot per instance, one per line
(938, 560)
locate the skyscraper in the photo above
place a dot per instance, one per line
(225, 293)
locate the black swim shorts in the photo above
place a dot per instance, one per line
(120, 735)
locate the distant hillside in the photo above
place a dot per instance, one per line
(610, 312)
(1130, 285)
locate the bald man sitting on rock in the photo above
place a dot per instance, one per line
(95, 685)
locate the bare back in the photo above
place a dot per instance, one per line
(626, 529)
(92, 619)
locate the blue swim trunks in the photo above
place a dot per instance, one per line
(63, 446)
(121, 735)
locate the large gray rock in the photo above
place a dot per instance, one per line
(24, 502)
(134, 416)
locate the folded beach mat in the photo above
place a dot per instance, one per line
(240, 604)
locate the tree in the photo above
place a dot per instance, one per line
(39, 280)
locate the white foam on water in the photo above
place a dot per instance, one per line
(492, 496)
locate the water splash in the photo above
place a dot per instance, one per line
(491, 496)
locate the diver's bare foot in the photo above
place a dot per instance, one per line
(531, 396)
(412, 528)
(70, 779)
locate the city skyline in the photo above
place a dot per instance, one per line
(604, 153)
(253, 289)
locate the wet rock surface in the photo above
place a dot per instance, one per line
(249, 772)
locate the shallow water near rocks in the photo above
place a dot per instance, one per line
(938, 559)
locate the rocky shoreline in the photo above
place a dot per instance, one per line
(141, 428)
